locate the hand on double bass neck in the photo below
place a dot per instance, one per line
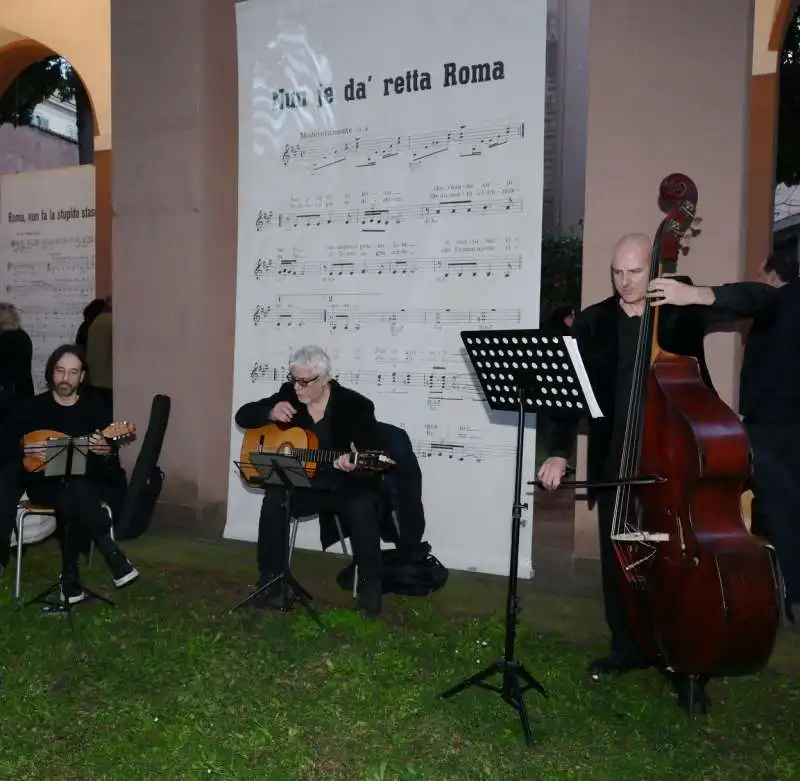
(665, 290)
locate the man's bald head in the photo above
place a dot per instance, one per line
(630, 264)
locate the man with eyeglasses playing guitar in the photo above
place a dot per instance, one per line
(64, 412)
(341, 420)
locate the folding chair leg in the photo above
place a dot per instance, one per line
(292, 540)
(19, 526)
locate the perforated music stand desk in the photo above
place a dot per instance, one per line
(277, 469)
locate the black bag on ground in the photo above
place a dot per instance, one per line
(410, 573)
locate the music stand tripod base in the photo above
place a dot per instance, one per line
(521, 371)
(287, 472)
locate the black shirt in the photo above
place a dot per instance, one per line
(44, 412)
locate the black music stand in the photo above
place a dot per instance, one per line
(523, 371)
(66, 458)
(281, 470)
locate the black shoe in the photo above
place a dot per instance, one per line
(71, 589)
(692, 694)
(370, 597)
(617, 663)
(269, 598)
(122, 571)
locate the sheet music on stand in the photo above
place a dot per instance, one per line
(551, 364)
(63, 460)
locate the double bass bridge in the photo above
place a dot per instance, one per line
(640, 537)
(643, 547)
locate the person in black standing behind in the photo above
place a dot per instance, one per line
(343, 420)
(16, 354)
(78, 500)
(769, 394)
(90, 312)
(607, 335)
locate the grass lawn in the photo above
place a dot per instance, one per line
(165, 686)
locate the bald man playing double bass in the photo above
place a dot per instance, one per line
(607, 334)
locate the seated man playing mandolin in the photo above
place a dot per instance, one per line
(342, 420)
(64, 410)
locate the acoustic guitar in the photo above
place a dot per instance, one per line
(33, 462)
(304, 446)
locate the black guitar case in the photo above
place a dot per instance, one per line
(147, 478)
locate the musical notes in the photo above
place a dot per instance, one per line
(454, 267)
(439, 382)
(346, 317)
(379, 217)
(460, 451)
(365, 151)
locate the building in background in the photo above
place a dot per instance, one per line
(50, 142)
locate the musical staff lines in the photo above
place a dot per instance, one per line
(57, 290)
(346, 317)
(364, 151)
(375, 219)
(449, 267)
(439, 382)
(455, 450)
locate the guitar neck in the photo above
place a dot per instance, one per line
(317, 456)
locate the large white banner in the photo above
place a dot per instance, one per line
(390, 196)
(47, 229)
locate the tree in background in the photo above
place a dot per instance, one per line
(788, 157)
(47, 78)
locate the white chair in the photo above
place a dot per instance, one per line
(35, 523)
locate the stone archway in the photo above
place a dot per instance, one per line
(80, 32)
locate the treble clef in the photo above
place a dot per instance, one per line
(261, 268)
(263, 218)
(259, 313)
(286, 156)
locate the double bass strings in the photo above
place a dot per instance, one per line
(634, 422)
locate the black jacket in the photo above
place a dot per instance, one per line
(681, 331)
(351, 415)
(16, 382)
(352, 419)
(769, 391)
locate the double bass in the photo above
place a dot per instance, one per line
(700, 592)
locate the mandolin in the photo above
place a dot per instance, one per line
(303, 445)
(33, 462)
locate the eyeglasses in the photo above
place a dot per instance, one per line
(301, 382)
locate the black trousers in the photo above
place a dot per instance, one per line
(622, 640)
(80, 516)
(776, 490)
(356, 502)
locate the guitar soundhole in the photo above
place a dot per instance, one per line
(285, 449)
